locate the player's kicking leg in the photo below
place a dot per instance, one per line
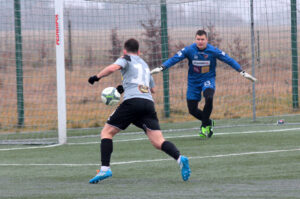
(158, 141)
(101, 175)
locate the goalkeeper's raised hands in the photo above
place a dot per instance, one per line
(248, 76)
(157, 69)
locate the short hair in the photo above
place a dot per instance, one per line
(132, 45)
(201, 32)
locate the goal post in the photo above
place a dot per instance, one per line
(60, 72)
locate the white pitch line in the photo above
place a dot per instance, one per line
(159, 160)
(212, 156)
(194, 135)
(135, 139)
(167, 137)
(35, 147)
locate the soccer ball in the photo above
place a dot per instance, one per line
(110, 96)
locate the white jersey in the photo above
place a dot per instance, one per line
(137, 79)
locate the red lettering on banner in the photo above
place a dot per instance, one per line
(57, 29)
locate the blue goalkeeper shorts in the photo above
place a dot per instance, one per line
(194, 91)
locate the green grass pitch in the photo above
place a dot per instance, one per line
(240, 162)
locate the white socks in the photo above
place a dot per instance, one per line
(104, 168)
(178, 160)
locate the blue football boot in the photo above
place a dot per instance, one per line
(101, 176)
(185, 168)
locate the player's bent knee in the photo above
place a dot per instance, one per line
(109, 131)
(209, 94)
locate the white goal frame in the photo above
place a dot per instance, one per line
(60, 72)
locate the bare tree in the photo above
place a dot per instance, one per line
(90, 59)
(152, 38)
(115, 52)
(42, 54)
(239, 51)
(213, 36)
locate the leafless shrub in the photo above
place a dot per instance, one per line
(213, 36)
(43, 53)
(90, 59)
(152, 39)
(115, 52)
(238, 51)
(5, 58)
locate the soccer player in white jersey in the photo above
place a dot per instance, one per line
(137, 108)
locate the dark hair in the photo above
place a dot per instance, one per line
(132, 45)
(201, 32)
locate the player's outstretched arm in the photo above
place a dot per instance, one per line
(157, 69)
(248, 76)
(105, 72)
(233, 63)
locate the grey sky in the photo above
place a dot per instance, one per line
(95, 15)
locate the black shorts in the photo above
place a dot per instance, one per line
(138, 111)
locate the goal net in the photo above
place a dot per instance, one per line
(260, 35)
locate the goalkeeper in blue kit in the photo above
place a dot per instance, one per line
(202, 61)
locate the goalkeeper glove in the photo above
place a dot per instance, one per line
(120, 89)
(157, 69)
(248, 76)
(93, 79)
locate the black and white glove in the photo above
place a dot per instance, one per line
(120, 89)
(248, 76)
(157, 69)
(93, 79)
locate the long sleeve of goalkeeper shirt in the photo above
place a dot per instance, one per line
(179, 56)
(227, 59)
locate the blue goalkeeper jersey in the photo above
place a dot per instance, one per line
(202, 63)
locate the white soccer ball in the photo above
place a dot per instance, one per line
(110, 96)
